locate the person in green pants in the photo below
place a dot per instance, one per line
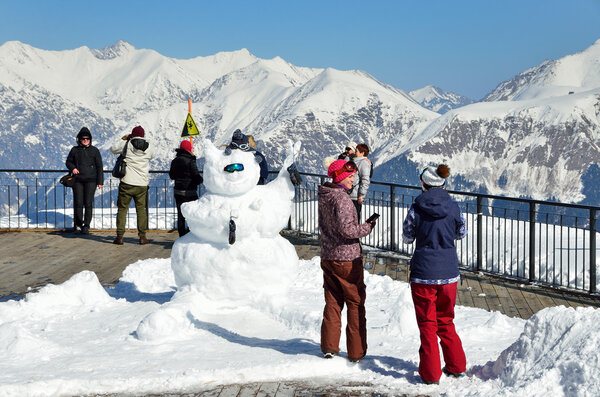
(134, 185)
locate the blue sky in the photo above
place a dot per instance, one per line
(467, 47)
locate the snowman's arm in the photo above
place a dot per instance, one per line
(206, 212)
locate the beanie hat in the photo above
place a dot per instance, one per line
(186, 145)
(352, 145)
(338, 170)
(237, 140)
(238, 137)
(435, 177)
(137, 131)
(84, 132)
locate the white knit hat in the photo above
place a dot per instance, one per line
(435, 177)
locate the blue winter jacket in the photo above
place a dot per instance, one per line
(434, 221)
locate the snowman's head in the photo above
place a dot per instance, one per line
(229, 174)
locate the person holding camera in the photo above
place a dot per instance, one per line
(341, 261)
(360, 187)
(85, 162)
(134, 185)
(434, 221)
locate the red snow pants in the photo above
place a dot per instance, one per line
(343, 282)
(434, 307)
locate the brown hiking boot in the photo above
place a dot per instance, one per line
(144, 240)
(118, 240)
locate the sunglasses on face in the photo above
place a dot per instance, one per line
(349, 149)
(85, 139)
(234, 167)
(348, 167)
(242, 146)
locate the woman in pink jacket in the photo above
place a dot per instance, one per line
(341, 261)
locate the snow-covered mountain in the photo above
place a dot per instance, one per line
(438, 100)
(572, 74)
(48, 95)
(538, 135)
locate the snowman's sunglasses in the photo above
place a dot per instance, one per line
(234, 167)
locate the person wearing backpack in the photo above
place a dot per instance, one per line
(362, 180)
(434, 221)
(184, 171)
(85, 162)
(134, 185)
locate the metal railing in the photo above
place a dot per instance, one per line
(547, 243)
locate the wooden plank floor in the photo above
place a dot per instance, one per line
(512, 298)
(31, 259)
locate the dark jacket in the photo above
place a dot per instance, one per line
(338, 223)
(264, 168)
(184, 171)
(434, 221)
(88, 161)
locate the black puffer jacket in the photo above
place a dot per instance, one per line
(87, 160)
(184, 171)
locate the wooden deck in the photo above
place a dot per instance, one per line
(32, 259)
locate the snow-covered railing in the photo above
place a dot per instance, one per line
(542, 242)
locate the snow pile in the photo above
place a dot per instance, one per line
(559, 349)
(87, 344)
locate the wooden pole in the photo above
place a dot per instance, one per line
(190, 111)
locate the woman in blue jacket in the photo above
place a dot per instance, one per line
(435, 221)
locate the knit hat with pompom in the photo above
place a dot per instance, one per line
(435, 177)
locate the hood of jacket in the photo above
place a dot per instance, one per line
(84, 132)
(435, 202)
(184, 153)
(330, 191)
(139, 143)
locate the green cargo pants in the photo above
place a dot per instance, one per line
(139, 194)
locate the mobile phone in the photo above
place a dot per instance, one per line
(372, 217)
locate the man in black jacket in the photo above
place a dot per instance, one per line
(184, 171)
(85, 162)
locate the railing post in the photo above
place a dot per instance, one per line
(392, 219)
(532, 208)
(479, 233)
(592, 250)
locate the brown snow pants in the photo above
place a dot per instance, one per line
(343, 282)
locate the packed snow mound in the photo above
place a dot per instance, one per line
(82, 291)
(558, 349)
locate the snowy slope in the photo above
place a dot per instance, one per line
(573, 73)
(438, 100)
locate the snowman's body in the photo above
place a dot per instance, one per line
(260, 262)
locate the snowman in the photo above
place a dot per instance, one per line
(234, 250)
(234, 255)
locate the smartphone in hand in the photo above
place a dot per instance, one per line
(372, 218)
